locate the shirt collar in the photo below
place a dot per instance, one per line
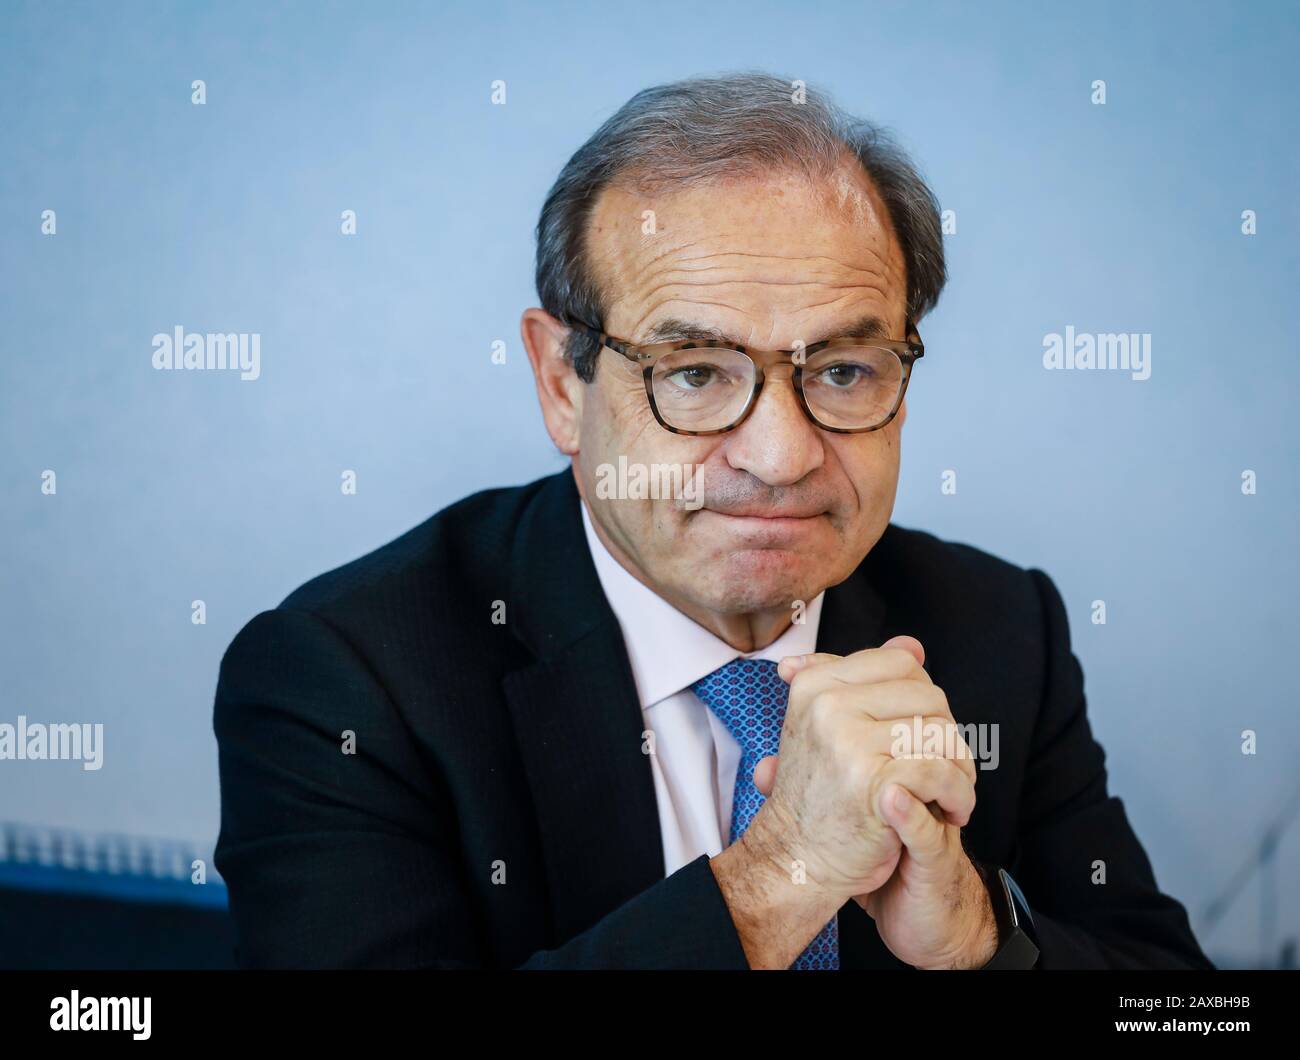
(669, 651)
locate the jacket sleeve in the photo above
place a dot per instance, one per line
(338, 860)
(1071, 830)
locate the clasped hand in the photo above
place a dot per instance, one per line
(862, 819)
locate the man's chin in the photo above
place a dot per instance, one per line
(756, 580)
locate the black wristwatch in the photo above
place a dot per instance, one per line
(1017, 939)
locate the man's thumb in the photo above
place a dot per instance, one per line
(907, 644)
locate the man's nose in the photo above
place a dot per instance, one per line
(777, 443)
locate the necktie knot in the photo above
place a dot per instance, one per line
(749, 698)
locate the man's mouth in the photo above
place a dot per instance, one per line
(764, 528)
(775, 514)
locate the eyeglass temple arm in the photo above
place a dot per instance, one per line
(600, 337)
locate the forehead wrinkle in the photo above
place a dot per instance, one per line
(845, 304)
(719, 270)
(678, 290)
(649, 270)
(660, 307)
(639, 269)
(673, 287)
(773, 283)
(818, 305)
(655, 274)
(665, 294)
(655, 306)
(723, 259)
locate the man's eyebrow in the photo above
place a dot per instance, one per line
(675, 329)
(865, 327)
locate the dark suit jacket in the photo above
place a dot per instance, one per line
(513, 751)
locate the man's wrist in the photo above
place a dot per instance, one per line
(775, 913)
(983, 938)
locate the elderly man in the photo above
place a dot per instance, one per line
(710, 709)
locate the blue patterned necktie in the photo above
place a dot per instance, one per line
(749, 698)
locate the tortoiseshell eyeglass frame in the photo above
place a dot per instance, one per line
(908, 351)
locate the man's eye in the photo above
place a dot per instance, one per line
(842, 376)
(693, 377)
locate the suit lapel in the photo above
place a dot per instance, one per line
(577, 720)
(853, 615)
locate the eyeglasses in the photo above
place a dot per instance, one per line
(704, 386)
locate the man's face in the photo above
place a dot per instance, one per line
(788, 509)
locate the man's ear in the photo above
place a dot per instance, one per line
(559, 390)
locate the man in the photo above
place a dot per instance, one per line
(672, 708)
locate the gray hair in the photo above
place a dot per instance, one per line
(706, 128)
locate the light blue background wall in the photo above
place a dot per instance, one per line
(376, 348)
